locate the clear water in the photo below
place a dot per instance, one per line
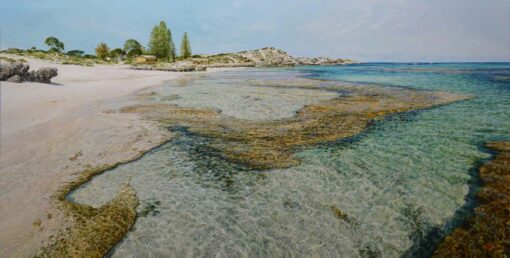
(402, 183)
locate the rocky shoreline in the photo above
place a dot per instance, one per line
(264, 57)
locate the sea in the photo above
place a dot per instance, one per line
(403, 184)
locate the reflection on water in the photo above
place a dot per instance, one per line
(377, 195)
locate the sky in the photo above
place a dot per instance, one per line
(365, 30)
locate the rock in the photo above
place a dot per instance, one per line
(268, 56)
(7, 70)
(43, 75)
(15, 78)
(322, 61)
(18, 72)
(264, 57)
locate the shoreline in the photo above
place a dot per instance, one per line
(63, 131)
(62, 247)
(89, 171)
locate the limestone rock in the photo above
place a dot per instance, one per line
(43, 75)
(264, 57)
(268, 56)
(15, 78)
(7, 70)
(322, 61)
(18, 72)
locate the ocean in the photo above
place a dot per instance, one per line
(402, 184)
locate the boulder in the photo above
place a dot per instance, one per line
(18, 72)
(15, 78)
(42, 75)
(7, 70)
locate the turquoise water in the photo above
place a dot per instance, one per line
(403, 183)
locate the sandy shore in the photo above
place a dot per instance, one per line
(51, 132)
(54, 137)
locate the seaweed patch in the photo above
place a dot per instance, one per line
(487, 232)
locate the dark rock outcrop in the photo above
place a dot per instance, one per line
(15, 78)
(19, 72)
(42, 75)
(7, 70)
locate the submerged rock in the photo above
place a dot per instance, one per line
(260, 144)
(487, 232)
(93, 231)
(19, 72)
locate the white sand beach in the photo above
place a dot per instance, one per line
(50, 132)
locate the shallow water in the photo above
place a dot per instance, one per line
(401, 183)
(234, 97)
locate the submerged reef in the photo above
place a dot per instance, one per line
(92, 231)
(258, 144)
(271, 144)
(487, 232)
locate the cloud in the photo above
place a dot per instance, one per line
(394, 30)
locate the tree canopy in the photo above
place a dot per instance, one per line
(102, 50)
(54, 44)
(132, 44)
(75, 52)
(161, 43)
(117, 53)
(134, 52)
(185, 46)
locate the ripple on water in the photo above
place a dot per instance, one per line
(392, 185)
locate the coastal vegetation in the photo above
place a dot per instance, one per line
(185, 46)
(77, 53)
(72, 58)
(54, 44)
(162, 53)
(133, 48)
(117, 54)
(161, 44)
(102, 50)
